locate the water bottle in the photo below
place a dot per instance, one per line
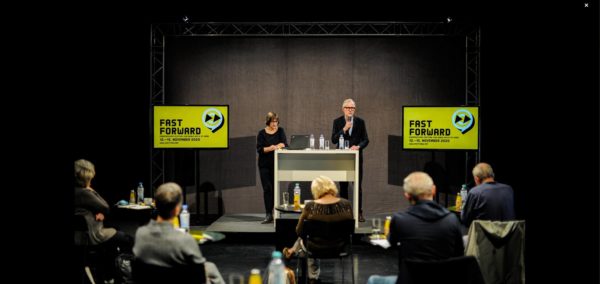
(463, 195)
(312, 142)
(341, 143)
(184, 217)
(458, 203)
(140, 193)
(297, 197)
(132, 197)
(321, 142)
(276, 269)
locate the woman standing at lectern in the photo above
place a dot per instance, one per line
(269, 140)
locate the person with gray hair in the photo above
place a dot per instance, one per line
(488, 200)
(426, 231)
(159, 243)
(89, 204)
(354, 130)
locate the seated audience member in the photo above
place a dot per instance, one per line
(488, 200)
(159, 243)
(326, 207)
(90, 205)
(426, 231)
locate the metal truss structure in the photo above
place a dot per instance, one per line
(158, 33)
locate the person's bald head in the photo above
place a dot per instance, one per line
(483, 172)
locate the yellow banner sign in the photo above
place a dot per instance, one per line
(441, 128)
(191, 126)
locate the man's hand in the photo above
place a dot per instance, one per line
(347, 126)
(354, 147)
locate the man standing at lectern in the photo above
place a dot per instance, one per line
(354, 130)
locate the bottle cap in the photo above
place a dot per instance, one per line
(185, 207)
(276, 254)
(255, 271)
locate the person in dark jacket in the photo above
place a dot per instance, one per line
(269, 140)
(354, 130)
(426, 231)
(488, 200)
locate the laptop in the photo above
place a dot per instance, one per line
(299, 142)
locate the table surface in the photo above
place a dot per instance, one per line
(206, 236)
(289, 208)
(135, 207)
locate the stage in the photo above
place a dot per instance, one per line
(250, 223)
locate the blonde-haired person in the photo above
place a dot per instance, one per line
(268, 140)
(89, 204)
(326, 207)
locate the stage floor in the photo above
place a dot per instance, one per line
(250, 223)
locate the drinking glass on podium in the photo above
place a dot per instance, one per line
(286, 198)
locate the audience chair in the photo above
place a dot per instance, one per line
(320, 232)
(499, 248)
(88, 256)
(144, 273)
(456, 270)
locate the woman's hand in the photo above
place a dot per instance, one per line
(99, 217)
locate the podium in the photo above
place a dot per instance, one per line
(306, 165)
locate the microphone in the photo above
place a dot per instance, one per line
(349, 118)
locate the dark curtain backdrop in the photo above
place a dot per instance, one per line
(305, 81)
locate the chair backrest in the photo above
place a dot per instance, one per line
(80, 230)
(328, 239)
(456, 270)
(144, 273)
(499, 247)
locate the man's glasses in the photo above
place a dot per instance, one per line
(350, 108)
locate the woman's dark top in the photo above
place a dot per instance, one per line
(264, 139)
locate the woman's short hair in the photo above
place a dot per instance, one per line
(418, 183)
(483, 171)
(270, 117)
(167, 197)
(321, 186)
(84, 172)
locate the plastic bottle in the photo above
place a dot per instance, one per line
(341, 143)
(312, 141)
(463, 195)
(321, 142)
(458, 204)
(386, 225)
(184, 217)
(297, 197)
(132, 197)
(276, 269)
(140, 193)
(255, 277)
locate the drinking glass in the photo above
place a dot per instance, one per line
(326, 144)
(376, 227)
(236, 278)
(286, 198)
(346, 144)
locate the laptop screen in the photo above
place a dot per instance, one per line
(299, 142)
